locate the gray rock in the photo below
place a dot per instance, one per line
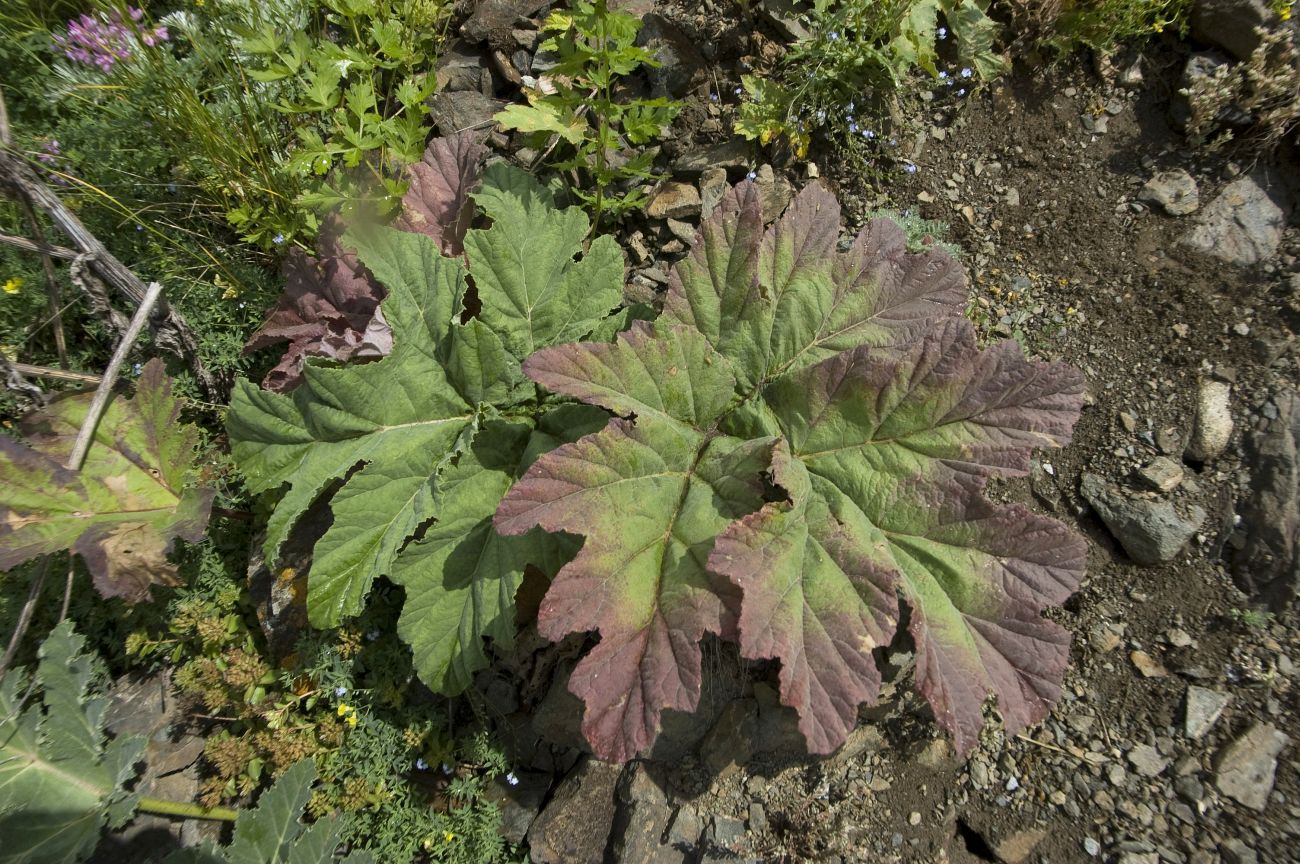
(1242, 226)
(495, 18)
(674, 200)
(681, 732)
(686, 830)
(1235, 851)
(1147, 760)
(1246, 768)
(784, 16)
(1173, 191)
(778, 725)
(726, 831)
(461, 68)
(680, 59)
(1018, 846)
(642, 819)
(1212, 427)
(1150, 530)
(518, 804)
(713, 185)
(575, 826)
(774, 192)
(733, 153)
(1161, 474)
(757, 820)
(1266, 561)
(558, 718)
(1230, 24)
(453, 112)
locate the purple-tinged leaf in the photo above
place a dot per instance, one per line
(437, 203)
(816, 596)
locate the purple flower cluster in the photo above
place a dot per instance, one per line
(102, 41)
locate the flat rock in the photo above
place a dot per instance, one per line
(1147, 761)
(1230, 24)
(674, 200)
(575, 826)
(492, 18)
(1161, 474)
(1246, 768)
(784, 16)
(733, 153)
(678, 57)
(1017, 847)
(713, 185)
(1212, 428)
(1174, 192)
(518, 804)
(1242, 226)
(642, 820)
(1150, 529)
(774, 192)
(1266, 561)
(454, 112)
(729, 744)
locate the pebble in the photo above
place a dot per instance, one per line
(1091, 846)
(1174, 192)
(1247, 767)
(1148, 665)
(1147, 760)
(1161, 474)
(1202, 709)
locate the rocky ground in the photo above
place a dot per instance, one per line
(1091, 232)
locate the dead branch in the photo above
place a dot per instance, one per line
(14, 380)
(57, 374)
(171, 333)
(31, 246)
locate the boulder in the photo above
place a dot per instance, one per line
(1243, 225)
(574, 827)
(1230, 24)
(1151, 530)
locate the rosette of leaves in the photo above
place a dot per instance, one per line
(800, 440)
(129, 503)
(330, 303)
(61, 782)
(416, 449)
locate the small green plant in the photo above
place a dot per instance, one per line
(579, 101)
(861, 51)
(1100, 25)
(1251, 619)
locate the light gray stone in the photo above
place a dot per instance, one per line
(1147, 760)
(774, 192)
(1150, 530)
(1174, 192)
(1230, 24)
(1201, 710)
(1212, 428)
(733, 153)
(1161, 474)
(1246, 768)
(713, 185)
(1244, 224)
(674, 200)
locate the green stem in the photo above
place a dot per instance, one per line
(185, 810)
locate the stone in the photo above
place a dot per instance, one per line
(574, 827)
(1212, 428)
(1230, 24)
(642, 819)
(726, 832)
(683, 231)
(1147, 760)
(680, 60)
(1147, 665)
(713, 185)
(784, 16)
(1201, 709)
(733, 153)
(1173, 191)
(1150, 530)
(778, 725)
(1161, 474)
(686, 830)
(729, 744)
(1266, 563)
(1236, 851)
(461, 68)
(558, 718)
(1243, 225)
(453, 112)
(518, 804)
(1246, 768)
(1017, 847)
(774, 192)
(493, 19)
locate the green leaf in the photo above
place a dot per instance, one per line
(126, 508)
(546, 117)
(60, 781)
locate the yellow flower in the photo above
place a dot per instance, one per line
(1159, 26)
(344, 708)
(13, 284)
(352, 721)
(448, 836)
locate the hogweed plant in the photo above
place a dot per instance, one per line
(795, 447)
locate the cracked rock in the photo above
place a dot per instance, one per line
(1246, 768)
(1174, 192)
(1151, 530)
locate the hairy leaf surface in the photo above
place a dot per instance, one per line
(417, 448)
(128, 505)
(60, 781)
(850, 383)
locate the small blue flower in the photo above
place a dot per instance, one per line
(909, 168)
(421, 765)
(943, 74)
(966, 73)
(751, 176)
(340, 692)
(713, 97)
(278, 239)
(446, 769)
(943, 32)
(512, 779)
(853, 128)
(372, 634)
(738, 91)
(171, 187)
(868, 134)
(961, 92)
(139, 227)
(833, 36)
(893, 142)
(136, 368)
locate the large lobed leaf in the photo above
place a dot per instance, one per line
(60, 781)
(125, 508)
(851, 382)
(417, 448)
